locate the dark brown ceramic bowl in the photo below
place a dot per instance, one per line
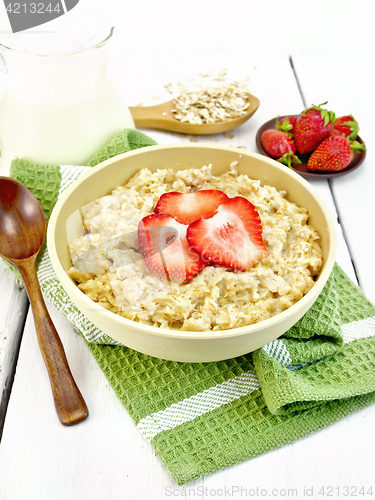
(301, 168)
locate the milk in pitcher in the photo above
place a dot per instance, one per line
(58, 106)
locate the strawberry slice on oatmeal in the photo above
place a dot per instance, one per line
(167, 254)
(188, 207)
(232, 237)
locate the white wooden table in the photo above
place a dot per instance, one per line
(106, 457)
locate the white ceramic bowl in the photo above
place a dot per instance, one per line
(174, 344)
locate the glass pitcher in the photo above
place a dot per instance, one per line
(57, 105)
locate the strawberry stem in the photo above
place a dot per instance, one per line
(357, 146)
(288, 159)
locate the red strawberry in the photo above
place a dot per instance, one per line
(277, 143)
(312, 126)
(232, 237)
(346, 125)
(287, 124)
(334, 154)
(163, 245)
(188, 207)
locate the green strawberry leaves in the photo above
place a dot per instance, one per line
(328, 116)
(285, 126)
(357, 146)
(354, 127)
(288, 159)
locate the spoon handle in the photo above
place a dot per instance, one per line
(70, 405)
(157, 116)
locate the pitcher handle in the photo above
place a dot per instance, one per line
(3, 67)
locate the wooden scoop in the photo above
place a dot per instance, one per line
(22, 233)
(161, 117)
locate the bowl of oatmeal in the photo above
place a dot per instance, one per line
(222, 309)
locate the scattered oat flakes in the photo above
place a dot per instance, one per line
(228, 136)
(168, 87)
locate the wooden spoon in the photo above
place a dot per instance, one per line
(161, 117)
(22, 233)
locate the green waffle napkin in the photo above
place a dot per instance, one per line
(202, 417)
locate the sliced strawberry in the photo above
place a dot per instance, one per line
(188, 207)
(167, 254)
(232, 237)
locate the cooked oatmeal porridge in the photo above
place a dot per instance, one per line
(218, 297)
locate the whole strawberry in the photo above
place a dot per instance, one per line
(346, 125)
(334, 154)
(277, 143)
(280, 146)
(312, 126)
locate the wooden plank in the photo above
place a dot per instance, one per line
(328, 77)
(105, 456)
(13, 308)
